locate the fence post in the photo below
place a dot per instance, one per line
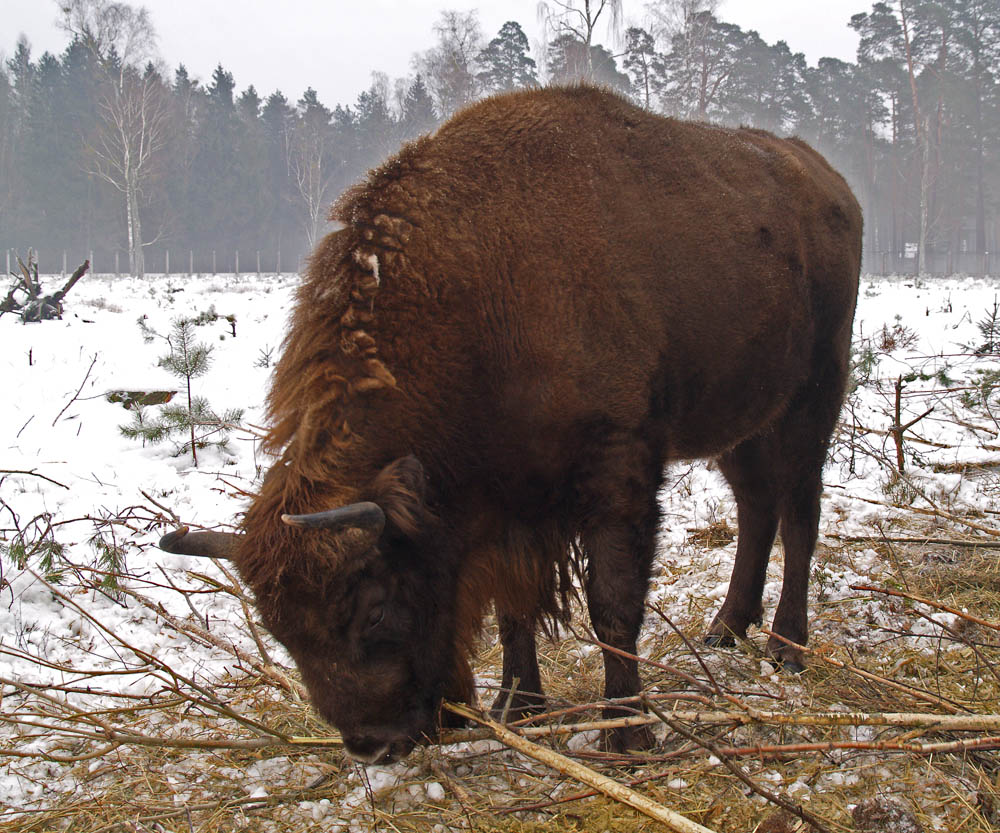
(214, 270)
(167, 262)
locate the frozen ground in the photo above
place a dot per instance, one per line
(69, 477)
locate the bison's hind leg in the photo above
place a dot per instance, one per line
(521, 689)
(778, 477)
(749, 469)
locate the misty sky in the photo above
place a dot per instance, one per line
(334, 45)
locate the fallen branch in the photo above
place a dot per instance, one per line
(934, 513)
(916, 539)
(34, 473)
(774, 798)
(574, 769)
(541, 805)
(601, 704)
(779, 751)
(913, 691)
(903, 720)
(936, 605)
(199, 634)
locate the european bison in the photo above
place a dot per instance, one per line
(527, 315)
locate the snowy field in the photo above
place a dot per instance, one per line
(105, 625)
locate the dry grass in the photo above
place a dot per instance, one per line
(242, 751)
(188, 756)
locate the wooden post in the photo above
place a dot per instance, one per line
(167, 263)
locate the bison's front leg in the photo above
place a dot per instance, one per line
(619, 556)
(520, 668)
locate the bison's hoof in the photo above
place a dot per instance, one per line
(628, 739)
(790, 659)
(720, 640)
(724, 633)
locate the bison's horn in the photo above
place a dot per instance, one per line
(368, 516)
(204, 543)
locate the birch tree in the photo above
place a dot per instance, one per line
(579, 18)
(134, 113)
(310, 162)
(449, 69)
(134, 123)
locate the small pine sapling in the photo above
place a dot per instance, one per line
(188, 359)
(143, 427)
(110, 562)
(35, 540)
(989, 329)
(266, 357)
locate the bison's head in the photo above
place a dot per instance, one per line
(368, 616)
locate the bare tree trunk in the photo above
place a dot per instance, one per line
(922, 128)
(980, 198)
(925, 194)
(138, 252)
(130, 230)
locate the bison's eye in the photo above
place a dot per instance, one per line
(375, 616)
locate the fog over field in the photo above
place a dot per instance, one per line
(159, 145)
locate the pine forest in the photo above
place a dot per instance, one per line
(107, 152)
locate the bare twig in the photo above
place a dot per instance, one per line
(929, 602)
(934, 513)
(794, 809)
(34, 473)
(913, 691)
(86, 376)
(574, 769)
(916, 539)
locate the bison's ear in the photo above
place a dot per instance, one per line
(400, 489)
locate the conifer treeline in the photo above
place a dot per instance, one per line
(102, 152)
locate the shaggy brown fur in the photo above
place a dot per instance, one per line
(526, 316)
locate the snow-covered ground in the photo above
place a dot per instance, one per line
(68, 474)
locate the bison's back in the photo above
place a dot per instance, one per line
(572, 267)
